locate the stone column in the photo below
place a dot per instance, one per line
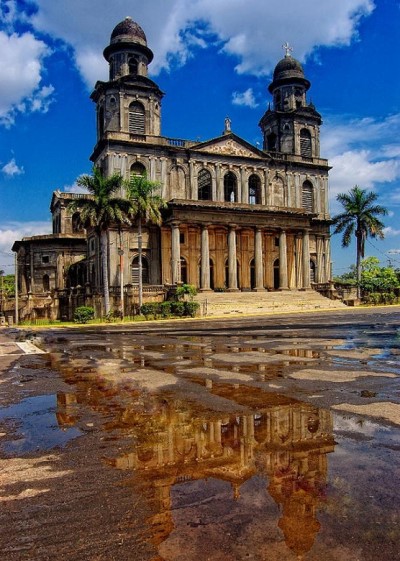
(175, 253)
(258, 260)
(306, 260)
(219, 183)
(320, 259)
(299, 268)
(152, 169)
(164, 179)
(232, 261)
(192, 180)
(283, 276)
(327, 252)
(244, 184)
(205, 260)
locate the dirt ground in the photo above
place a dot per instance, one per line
(97, 434)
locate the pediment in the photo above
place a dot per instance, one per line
(229, 146)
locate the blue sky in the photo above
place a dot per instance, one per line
(213, 58)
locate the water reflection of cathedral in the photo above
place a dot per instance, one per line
(283, 440)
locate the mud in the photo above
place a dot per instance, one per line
(272, 438)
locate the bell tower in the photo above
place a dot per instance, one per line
(292, 125)
(128, 105)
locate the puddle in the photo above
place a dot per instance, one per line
(234, 456)
(38, 426)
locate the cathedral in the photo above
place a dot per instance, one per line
(238, 218)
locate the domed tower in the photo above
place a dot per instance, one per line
(129, 104)
(292, 125)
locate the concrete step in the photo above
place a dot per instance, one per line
(234, 303)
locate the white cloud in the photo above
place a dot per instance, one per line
(252, 30)
(21, 60)
(74, 188)
(362, 152)
(389, 231)
(245, 98)
(11, 168)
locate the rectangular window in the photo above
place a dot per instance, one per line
(182, 238)
(45, 259)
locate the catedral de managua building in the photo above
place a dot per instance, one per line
(238, 218)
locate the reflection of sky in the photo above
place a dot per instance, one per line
(360, 426)
(37, 425)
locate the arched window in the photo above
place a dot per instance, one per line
(46, 283)
(307, 196)
(136, 118)
(133, 66)
(230, 194)
(137, 169)
(254, 190)
(135, 270)
(204, 185)
(305, 143)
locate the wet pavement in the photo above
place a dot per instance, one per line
(268, 438)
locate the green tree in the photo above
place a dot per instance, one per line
(100, 210)
(360, 219)
(377, 279)
(146, 205)
(8, 286)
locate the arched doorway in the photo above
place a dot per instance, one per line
(252, 273)
(227, 274)
(312, 271)
(211, 274)
(276, 274)
(184, 271)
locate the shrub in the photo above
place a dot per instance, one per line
(83, 314)
(178, 308)
(165, 309)
(150, 309)
(191, 308)
(114, 315)
(185, 290)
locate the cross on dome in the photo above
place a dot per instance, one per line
(287, 48)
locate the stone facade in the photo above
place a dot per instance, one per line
(238, 217)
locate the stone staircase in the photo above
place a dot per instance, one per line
(251, 303)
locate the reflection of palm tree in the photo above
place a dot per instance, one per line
(359, 218)
(146, 206)
(99, 210)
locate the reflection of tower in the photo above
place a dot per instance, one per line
(66, 413)
(298, 477)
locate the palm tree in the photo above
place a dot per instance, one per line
(359, 218)
(99, 210)
(146, 206)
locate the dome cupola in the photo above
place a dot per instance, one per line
(128, 53)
